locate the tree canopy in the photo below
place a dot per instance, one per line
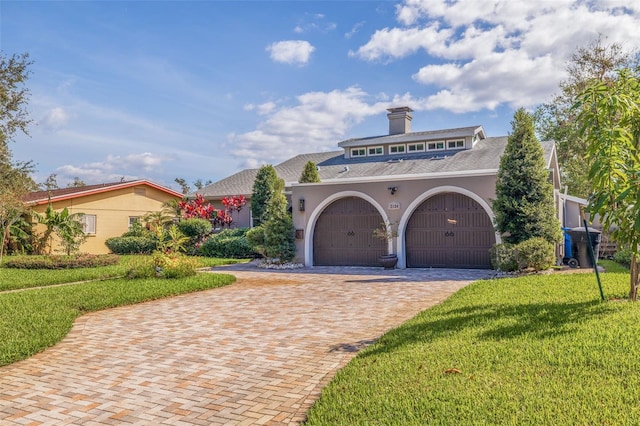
(557, 120)
(15, 180)
(609, 121)
(264, 186)
(524, 204)
(309, 173)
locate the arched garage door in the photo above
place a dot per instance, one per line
(449, 230)
(343, 234)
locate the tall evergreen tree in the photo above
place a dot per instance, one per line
(264, 187)
(310, 173)
(278, 229)
(524, 204)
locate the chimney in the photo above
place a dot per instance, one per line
(399, 120)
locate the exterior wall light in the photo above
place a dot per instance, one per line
(301, 204)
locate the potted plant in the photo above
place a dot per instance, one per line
(387, 231)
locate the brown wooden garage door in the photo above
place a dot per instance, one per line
(343, 234)
(449, 230)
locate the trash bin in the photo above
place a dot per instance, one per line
(580, 245)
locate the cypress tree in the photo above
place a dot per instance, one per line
(278, 229)
(263, 190)
(309, 173)
(524, 204)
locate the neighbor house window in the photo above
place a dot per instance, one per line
(455, 144)
(89, 224)
(358, 152)
(396, 149)
(375, 150)
(415, 147)
(133, 220)
(435, 146)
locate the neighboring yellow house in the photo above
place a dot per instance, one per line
(108, 208)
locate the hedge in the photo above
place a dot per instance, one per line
(131, 245)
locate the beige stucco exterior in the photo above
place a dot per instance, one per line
(112, 210)
(394, 208)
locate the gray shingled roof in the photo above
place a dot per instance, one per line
(461, 132)
(483, 157)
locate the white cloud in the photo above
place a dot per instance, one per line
(56, 118)
(291, 51)
(315, 123)
(354, 29)
(493, 52)
(113, 168)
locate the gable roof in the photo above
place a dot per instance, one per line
(43, 197)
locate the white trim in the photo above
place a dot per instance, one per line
(375, 148)
(404, 149)
(313, 218)
(404, 220)
(455, 142)
(363, 149)
(424, 147)
(390, 178)
(443, 142)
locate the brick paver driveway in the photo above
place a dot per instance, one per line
(256, 352)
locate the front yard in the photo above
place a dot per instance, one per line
(34, 319)
(540, 349)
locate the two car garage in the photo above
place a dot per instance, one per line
(447, 230)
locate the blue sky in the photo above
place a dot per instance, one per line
(202, 89)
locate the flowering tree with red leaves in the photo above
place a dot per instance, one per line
(196, 208)
(199, 208)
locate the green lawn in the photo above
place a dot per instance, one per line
(538, 349)
(34, 319)
(12, 279)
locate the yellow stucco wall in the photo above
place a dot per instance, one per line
(112, 210)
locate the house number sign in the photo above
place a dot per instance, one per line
(394, 205)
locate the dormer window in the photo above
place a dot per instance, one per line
(415, 147)
(397, 149)
(434, 146)
(455, 144)
(358, 152)
(375, 150)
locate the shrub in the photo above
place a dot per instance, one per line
(62, 262)
(623, 257)
(137, 230)
(131, 245)
(229, 243)
(195, 228)
(255, 239)
(535, 253)
(503, 257)
(141, 267)
(174, 265)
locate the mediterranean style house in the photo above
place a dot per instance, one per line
(435, 189)
(109, 208)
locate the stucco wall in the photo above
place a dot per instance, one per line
(112, 210)
(409, 195)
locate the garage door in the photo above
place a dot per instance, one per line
(343, 234)
(449, 230)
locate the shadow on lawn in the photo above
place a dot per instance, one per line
(494, 322)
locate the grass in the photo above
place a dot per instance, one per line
(539, 349)
(13, 279)
(35, 319)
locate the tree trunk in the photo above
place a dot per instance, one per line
(635, 278)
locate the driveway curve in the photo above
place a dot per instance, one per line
(256, 352)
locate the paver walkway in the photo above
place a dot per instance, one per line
(256, 352)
